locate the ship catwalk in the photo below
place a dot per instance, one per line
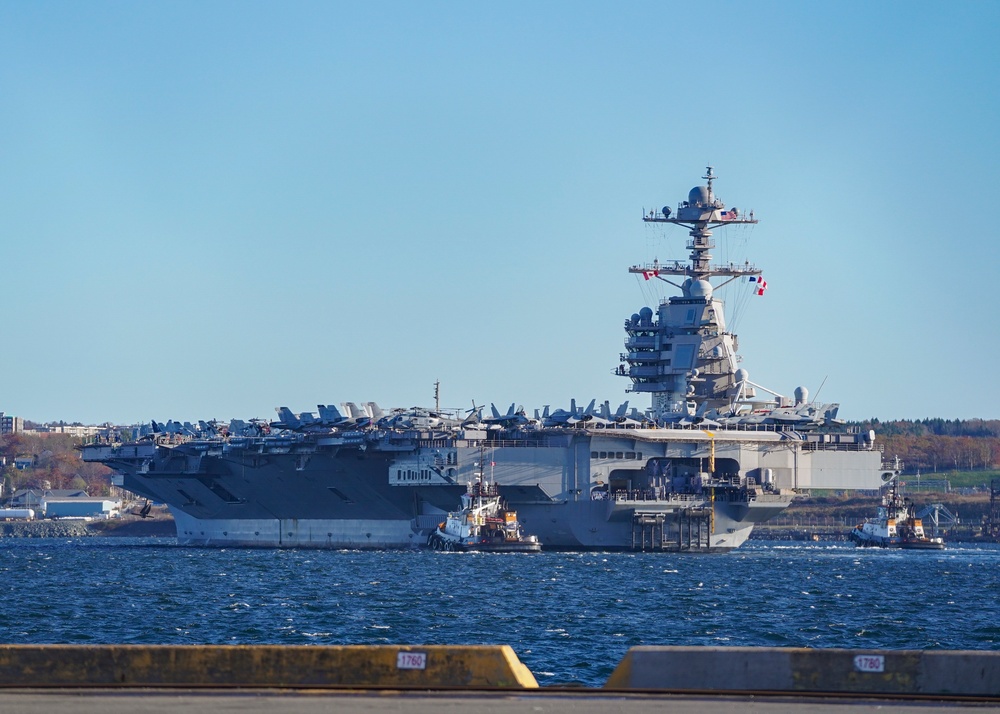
(693, 472)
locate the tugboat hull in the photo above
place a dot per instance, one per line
(439, 541)
(865, 540)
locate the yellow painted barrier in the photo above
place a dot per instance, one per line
(433, 666)
(792, 669)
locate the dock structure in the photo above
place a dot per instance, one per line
(482, 669)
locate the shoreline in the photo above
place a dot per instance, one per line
(115, 528)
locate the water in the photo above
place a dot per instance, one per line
(570, 617)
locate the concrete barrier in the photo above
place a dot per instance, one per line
(752, 669)
(401, 667)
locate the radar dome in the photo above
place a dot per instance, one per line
(635, 317)
(801, 395)
(646, 314)
(742, 375)
(698, 194)
(701, 288)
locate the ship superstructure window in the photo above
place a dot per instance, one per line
(685, 356)
(412, 475)
(616, 454)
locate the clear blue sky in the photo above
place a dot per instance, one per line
(211, 209)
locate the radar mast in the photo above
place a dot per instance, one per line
(701, 213)
(684, 357)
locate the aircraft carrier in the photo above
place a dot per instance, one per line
(712, 455)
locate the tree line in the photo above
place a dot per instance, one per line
(55, 463)
(975, 428)
(934, 445)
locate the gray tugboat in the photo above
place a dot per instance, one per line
(693, 472)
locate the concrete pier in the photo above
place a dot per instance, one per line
(792, 669)
(262, 666)
(432, 679)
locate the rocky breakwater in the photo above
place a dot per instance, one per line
(159, 527)
(45, 529)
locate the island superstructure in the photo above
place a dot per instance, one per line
(693, 472)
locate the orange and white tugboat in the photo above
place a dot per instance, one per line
(484, 523)
(896, 525)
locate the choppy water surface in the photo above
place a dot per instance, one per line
(570, 617)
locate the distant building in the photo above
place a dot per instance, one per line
(64, 503)
(81, 507)
(10, 424)
(76, 430)
(33, 497)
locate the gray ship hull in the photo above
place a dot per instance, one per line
(631, 489)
